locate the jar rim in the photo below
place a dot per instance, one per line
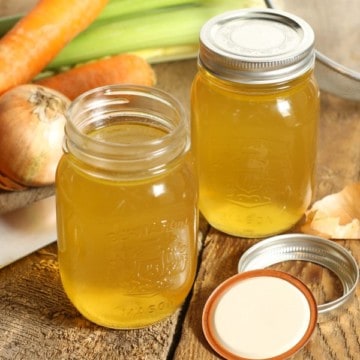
(115, 103)
(119, 90)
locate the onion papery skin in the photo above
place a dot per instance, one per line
(32, 121)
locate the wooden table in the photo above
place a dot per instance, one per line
(37, 321)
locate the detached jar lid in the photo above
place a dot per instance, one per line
(256, 46)
(259, 314)
(314, 249)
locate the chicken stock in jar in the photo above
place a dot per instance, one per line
(127, 211)
(255, 110)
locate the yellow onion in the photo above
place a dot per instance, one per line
(32, 120)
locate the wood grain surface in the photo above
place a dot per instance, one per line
(337, 337)
(37, 321)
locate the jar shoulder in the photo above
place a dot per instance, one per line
(206, 83)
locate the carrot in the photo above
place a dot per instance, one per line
(119, 69)
(40, 35)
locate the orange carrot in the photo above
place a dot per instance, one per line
(40, 35)
(120, 69)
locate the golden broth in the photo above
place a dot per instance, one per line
(127, 249)
(255, 152)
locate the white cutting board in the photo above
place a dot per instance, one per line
(26, 230)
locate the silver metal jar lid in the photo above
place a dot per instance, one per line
(309, 248)
(256, 46)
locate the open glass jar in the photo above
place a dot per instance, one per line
(255, 109)
(126, 206)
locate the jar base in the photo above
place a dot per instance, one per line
(127, 325)
(252, 223)
(126, 316)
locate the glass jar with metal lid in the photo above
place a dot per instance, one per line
(255, 109)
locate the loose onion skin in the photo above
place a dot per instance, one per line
(336, 216)
(32, 120)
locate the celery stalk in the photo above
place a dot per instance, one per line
(117, 8)
(168, 27)
(130, 34)
(169, 53)
(156, 29)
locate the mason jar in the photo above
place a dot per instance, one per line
(255, 110)
(127, 215)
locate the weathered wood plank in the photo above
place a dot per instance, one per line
(337, 338)
(339, 144)
(39, 322)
